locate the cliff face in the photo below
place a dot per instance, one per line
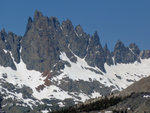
(45, 38)
(57, 63)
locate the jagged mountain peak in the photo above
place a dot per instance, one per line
(3, 34)
(108, 56)
(68, 22)
(106, 47)
(95, 38)
(79, 28)
(39, 18)
(80, 31)
(67, 26)
(48, 31)
(37, 15)
(53, 21)
(119, 45)
(134, 48)
(29, 24)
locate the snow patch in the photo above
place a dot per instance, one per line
(76, 34)
(61, 104)
(5, 51)
(45, 111)
(52, 92)
(95, 94)
(146, 96)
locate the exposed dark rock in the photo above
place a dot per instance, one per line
(35, 55)
(135, 49)
(39, 49)
(78, 45)
(95, 53)
(86, 87)
(79, 31)
(124, 54)
(58, 38)
(14, 44)
(145, 54)
(10, 43)
(108, 57)
(37, 15)
(1, 98)
(29, 24)
(6, 60)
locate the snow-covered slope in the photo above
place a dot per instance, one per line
(119, 76)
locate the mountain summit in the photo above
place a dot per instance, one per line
(56, 64)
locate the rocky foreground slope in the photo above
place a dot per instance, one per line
(134, 99)
(56, 64)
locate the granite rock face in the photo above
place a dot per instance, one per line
(95, 53)
(45, 38)
(9, 45)
(124, 54)
(108, 56)
(145, 54)
(39, 48)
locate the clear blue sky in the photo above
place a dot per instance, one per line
(125, 20)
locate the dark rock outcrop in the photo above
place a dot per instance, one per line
(9, 44)
(145, 54)
(108, 56)
(45, 39)
(95, 53)
(124, 54)
(135, 49)
(39, 49)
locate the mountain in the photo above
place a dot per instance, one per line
(57, 65)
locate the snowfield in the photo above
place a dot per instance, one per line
(120, 76)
